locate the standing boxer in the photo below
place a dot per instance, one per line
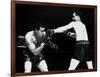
(34, 40)
(82, 45)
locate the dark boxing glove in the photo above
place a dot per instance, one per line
(50, 32)
(52, 45)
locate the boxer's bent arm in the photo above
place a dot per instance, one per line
(63, 28)
(35, 50)
(39, 49)
(31, 45)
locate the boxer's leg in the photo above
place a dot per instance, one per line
(43, 66)
(27, 66)
(88, 56)
(78, 56)
(89, 64)
(73, 64)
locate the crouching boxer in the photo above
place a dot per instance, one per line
(34, 40)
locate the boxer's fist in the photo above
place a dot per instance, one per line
(71, 34)
(42, 45)
(50, 32)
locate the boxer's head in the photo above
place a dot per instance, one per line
(76, 16)
(40, 28)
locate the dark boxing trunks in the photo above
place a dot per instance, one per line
(35, 59)
(83, 51)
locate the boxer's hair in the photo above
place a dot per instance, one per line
(78, 13)
(38, 25)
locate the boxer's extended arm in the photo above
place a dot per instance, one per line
(63, 28)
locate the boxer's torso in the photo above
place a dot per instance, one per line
(80, 29)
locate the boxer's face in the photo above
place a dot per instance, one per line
(42, 31)
(75, 17)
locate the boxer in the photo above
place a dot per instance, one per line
(35, 43)
(82, 46)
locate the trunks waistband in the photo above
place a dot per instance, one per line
(83, 42)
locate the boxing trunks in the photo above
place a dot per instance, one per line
(83, 51)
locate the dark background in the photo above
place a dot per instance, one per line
(27, 16)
